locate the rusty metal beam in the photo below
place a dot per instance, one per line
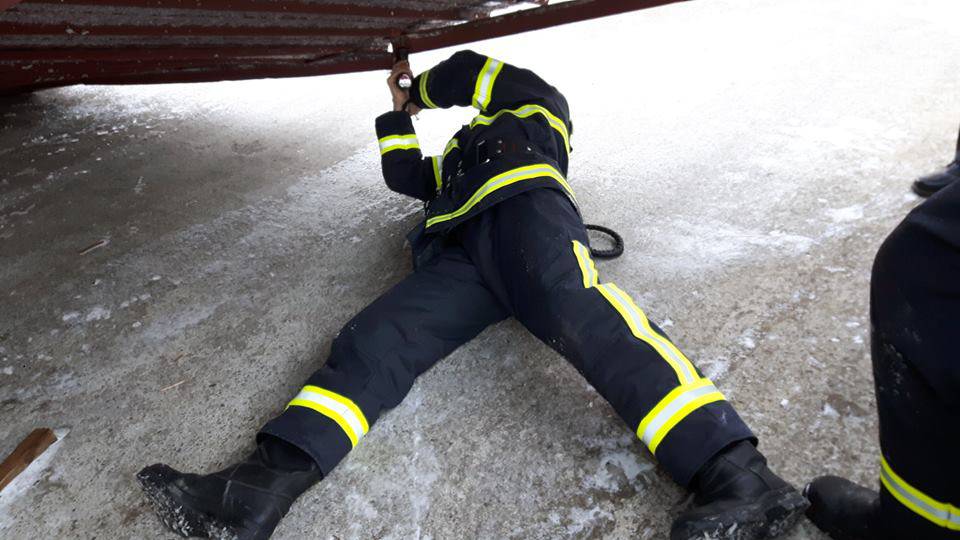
(23, 81)
(61, 29)
(59, 55)
(278, 6)
(4, 4)
(525, 21)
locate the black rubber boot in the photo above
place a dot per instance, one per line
(926, 186)
(844, 510)
(244, 501)
(737, 497)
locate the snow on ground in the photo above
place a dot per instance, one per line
(753, 154)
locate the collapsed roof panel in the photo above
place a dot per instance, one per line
(46, 43)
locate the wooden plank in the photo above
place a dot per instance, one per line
(24, 454)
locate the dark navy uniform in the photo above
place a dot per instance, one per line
(915, 315)
(503, 238)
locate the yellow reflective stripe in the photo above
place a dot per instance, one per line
(693, 405)
(635, 318)
(942, 514)
(675, 352)
(503, 180)
(398, 142)
(436, 171)
(423, 91)
(525, 111)
(338, 408)
(450, 146)
(483, 89)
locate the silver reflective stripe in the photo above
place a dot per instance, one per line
(638, 320)
(485, 84)
(398, 142)
(592, 277)
(670, 410)
(548, 171)
(342, 411)
(940, 514)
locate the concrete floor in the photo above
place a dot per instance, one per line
(754, 154)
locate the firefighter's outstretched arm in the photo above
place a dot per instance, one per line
(471, 79)
(404, 168)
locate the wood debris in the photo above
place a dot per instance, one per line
(24, 454)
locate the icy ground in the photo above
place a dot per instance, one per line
(753, 153)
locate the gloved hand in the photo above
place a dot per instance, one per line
(401, 96)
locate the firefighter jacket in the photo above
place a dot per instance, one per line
(519, 141)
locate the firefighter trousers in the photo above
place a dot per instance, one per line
(526, 257)
(915, 321)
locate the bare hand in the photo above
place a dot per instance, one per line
(400, 95)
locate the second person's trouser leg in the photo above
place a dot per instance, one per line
(376, 357)
(532, 251)
(915, 316)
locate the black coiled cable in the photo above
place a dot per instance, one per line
(611, 253)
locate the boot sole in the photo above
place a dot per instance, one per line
(156, 482)
(774, 514)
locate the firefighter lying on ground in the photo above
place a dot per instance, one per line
(502, 237)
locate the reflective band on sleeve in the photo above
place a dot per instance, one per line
(338, 408)
(524, 112)
(436, 172)
(940, 513)
(673, 408)
(398, 142)
(634, 317)
(503, 180)
(483, 90)
(423, 91)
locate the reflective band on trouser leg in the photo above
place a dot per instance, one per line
(483, 90)
(694, 391)
(436, 172)
(940, 513)
(634, 317)
(502, 180)
(679, 403)
(398, 142)
(424, 97)
(340, 409)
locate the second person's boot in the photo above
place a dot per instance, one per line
(844, 510)
(926, 186)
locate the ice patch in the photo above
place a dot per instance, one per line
(849, 213)
(829, 411)
(69, 316)
(705, 245)
(623, 460)
(98, 313)
(582, 519)
(7, 370)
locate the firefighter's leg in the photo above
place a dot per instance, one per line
(541, 266)
(372, 365)
(915, 317)
(915, 313)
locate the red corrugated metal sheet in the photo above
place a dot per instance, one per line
(46, 43)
